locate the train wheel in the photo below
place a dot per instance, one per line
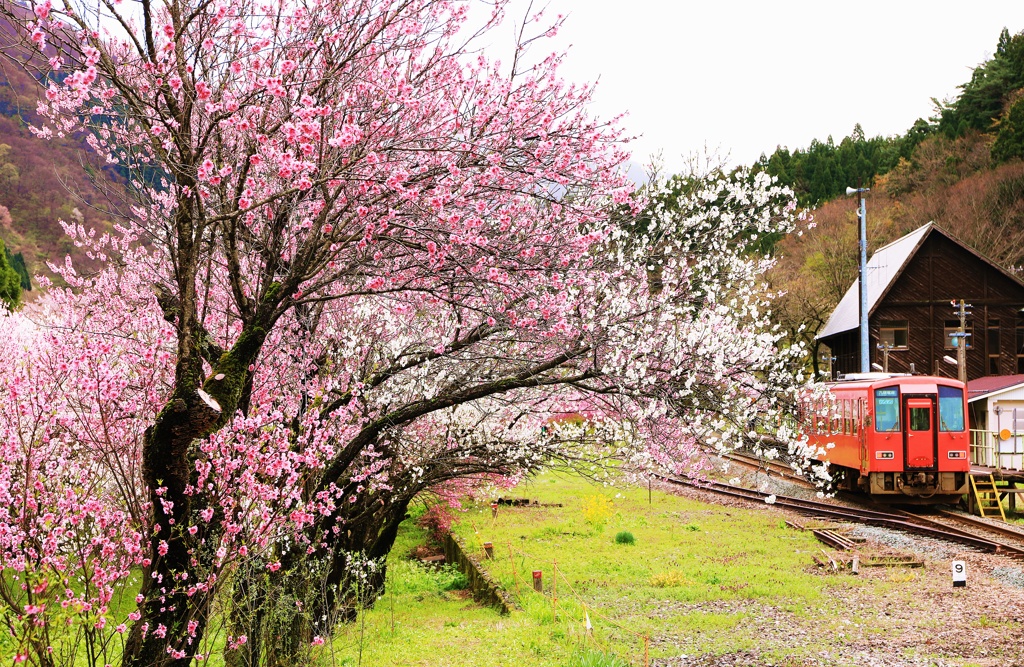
(841, 479)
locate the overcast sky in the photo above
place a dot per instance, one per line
(743, 77)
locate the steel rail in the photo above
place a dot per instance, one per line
(1005, 531)
(868, 517)
(757, 463)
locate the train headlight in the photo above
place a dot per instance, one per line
(958, 454)
(884, 455)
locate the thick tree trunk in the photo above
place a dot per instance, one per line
(166, 610)
(169, 457)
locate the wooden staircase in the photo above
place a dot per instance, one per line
(986, 497)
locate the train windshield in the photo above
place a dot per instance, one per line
(887, 409)
(951, 409)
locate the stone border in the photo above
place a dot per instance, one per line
(484, 588)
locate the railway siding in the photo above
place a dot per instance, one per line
(893, 519)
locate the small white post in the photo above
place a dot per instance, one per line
(959, 573)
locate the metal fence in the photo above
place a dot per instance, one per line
(991, 450)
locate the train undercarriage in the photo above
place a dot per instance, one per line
(913, 488)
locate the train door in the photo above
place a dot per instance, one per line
(862, 410)
(920, 441)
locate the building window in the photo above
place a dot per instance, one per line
(992, 342)
(895, 334)
(953, 327)
(1020, 346)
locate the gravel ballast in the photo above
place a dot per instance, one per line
(925, 620)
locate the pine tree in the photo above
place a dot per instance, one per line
(1009, 141)
(10, 281)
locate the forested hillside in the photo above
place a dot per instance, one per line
(962, 169)
(42, 182)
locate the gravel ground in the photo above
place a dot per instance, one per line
(887, 617)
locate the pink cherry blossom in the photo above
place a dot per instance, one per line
(340, 284)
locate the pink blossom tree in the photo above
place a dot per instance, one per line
(358, 262)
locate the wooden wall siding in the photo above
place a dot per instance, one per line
(939, 272)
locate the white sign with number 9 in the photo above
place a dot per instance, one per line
(959, 573)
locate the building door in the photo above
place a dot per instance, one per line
(919, 432)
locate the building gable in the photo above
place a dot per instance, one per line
(911, 283)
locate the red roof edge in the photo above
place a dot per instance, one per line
(993, 383)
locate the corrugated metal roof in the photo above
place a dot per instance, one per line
(992, 384)
(882, 269)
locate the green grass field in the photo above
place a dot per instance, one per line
(657, 579)
(695, 576)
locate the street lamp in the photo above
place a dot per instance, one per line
(862, 274)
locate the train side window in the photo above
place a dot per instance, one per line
(887, 409)
(951, 409)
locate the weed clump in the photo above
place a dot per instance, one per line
(670, 579)
(410, 577)
(625, 537)
(592, 658)
(597, 509)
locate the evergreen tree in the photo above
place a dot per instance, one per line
(1009, 141)
(982, 99)
(823, 170)
(17, 262)
(10, 281)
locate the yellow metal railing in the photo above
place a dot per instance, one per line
(992, 449)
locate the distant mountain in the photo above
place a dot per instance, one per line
(42, 182)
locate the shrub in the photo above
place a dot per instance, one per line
(438, 521)
(625, 537)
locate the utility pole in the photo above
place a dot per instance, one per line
(961, 310)
(831, 359)
(862, 272)
(885, 347)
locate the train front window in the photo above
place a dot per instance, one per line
(951, 409)
(887, 409)
(920, 419)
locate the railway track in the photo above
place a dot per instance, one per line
(771, 467)
(897, 520)
(976, 522)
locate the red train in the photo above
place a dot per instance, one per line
(901, 438)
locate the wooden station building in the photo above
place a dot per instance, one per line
(911, 283)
